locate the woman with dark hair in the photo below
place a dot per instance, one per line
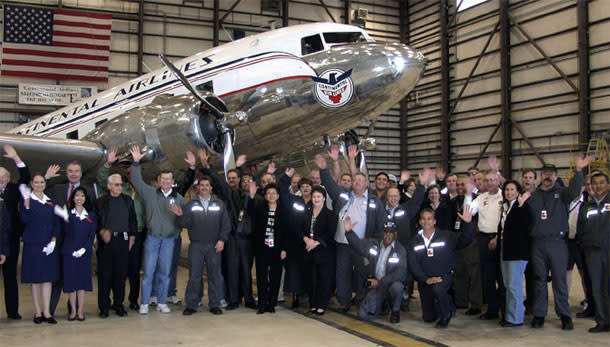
(269, 248)
(407, 190)
(40, 259)
(441, 209)
(513, 243)
(317, 230)
(77, 250)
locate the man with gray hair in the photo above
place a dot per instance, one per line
(116, 229)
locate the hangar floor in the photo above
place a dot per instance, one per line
(284, 328)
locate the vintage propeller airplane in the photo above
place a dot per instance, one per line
(282, 94)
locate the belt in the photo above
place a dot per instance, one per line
(489, 234)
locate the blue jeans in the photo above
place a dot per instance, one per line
(512, 273)
(157, 255)
(171, 289)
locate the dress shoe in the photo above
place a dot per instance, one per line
(472, 311)
(320, 312)
(270, 309)
(261, 310)
(232, 306)
(188, 312)
(15, 316)
(250, 304)
(395, 317)
(80, 319)
(103, 314)
(120, 311)
(216, 310)
(506, 324)
(346, 308)
(134, 307)
(599, 328)
(537, 322)
(585, 313)
(488, 316)
(39, 319)
(566, 323)
(72, 318)
(50, 320)
(443, 323)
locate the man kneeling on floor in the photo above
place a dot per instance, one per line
(389, 263)
(431, 261)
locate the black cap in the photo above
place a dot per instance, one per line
(390, 226)
(549, 167)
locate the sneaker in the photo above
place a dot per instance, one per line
(144, 309)
(163, 308)
(153, 301)
(174, 300)
(223, 303)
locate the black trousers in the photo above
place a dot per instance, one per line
(245, 256)
(134, 266)
(230, 271)
(112, 264)
(351, 274)
(58, 285)
(321, 287)
(490, 274)
(435, 299)
(268, 275)
(9, 274)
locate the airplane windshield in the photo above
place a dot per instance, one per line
(352, 37)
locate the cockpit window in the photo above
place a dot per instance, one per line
(311, 44)
(344, 37)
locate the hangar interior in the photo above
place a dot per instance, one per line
(525, 80)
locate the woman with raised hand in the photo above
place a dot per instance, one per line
(40, 260)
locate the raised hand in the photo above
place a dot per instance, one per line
(466, 214)
(523, 198)
(440, 173)
(111, 156)
(271, 168)
(352, 151)
(9, 152)
(583, 161)
(320, 161)
(333, 153)
(203, 157)
(252, 189)
(190, 159)
(404, 176)
(468, 185)
(348, 224)
(290, 172)
(52, 171)
(241, 160)
(136, 154)
(175, 209)
(493, 163)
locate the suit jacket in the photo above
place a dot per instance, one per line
(5, 229)
(60, 192)
(515, 242)
(323, 231)
(12, 196)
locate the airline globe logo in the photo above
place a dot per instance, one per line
(334, 87)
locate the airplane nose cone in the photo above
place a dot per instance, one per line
(406, 64)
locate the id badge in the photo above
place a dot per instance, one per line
(125, 237)
(430, 252)
(270, 243)
(241, 216)
(543, 215)
(457, 225)
(502, 235)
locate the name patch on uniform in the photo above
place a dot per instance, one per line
(591, 213)
(399, 214)
(214, 208)
(373, 251)
(418, 248)
(437, 244)
(393, 260)
(372, 204)
(298, 207)
(196, 208)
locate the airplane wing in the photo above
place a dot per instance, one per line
(40, 152)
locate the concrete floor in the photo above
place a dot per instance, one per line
(284, 328)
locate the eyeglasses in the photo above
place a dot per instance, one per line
(117, 184)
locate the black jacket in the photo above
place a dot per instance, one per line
(405, 214)
(594, 224)
(323, 232)
(396, 264)
(515, 244)
(12, 196)
(258, 210)
(206, 226)
(102, 209)
(444, 243)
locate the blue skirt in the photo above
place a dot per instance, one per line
(36, 266)
(77, 273)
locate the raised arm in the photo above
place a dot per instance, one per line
(144, 190)
(327, 180)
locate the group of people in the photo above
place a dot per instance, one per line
(466, 240)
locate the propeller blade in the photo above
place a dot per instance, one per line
(180, 76)
(228, 159)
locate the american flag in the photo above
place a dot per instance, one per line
(55, 44)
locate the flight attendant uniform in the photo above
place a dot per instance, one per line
(79, 234)
(41, 224)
